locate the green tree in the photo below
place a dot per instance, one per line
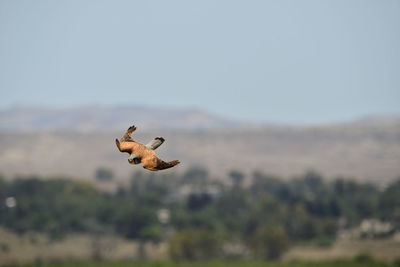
(389, 203)
(196, 175)
(236, 177)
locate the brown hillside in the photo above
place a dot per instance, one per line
(363, 151)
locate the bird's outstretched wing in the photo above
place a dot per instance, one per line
(127, 136)
(155, 143)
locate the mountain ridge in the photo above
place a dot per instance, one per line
(92, 118)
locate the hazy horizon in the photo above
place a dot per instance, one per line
(202, 110)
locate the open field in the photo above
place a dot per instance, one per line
(33, 247)
(30, 247)
(337, 263)
(388, 249)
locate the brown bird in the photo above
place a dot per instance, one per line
(145, 154)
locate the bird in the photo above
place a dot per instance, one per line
(144, 154)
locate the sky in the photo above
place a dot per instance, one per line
(270, 61)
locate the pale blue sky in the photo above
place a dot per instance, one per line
(273, 61)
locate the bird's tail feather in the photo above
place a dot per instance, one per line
(165, 165)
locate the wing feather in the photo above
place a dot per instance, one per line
(155, 143)
(127, 136)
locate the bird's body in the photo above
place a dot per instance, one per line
(144, 154)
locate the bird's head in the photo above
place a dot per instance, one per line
(133, 159)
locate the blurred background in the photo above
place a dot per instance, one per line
(285, 116)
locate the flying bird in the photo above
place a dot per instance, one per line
(145, 154)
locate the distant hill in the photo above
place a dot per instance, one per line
(102, 118)
(75, 142)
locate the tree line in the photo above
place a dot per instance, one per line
(201, 218)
